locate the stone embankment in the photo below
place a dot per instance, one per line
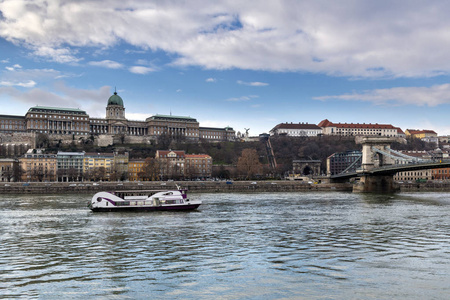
(200, 186)
(192, 186)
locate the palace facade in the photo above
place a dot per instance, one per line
(76, 122)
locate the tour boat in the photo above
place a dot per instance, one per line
(142, 200)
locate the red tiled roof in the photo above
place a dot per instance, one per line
(197, 156)
(326, 123)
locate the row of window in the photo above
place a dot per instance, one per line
(60, 117)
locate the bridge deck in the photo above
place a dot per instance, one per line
(393, 169)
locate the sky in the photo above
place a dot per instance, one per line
(245, 64)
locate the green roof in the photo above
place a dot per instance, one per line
(170, 117)
(115, 100)
(58, 109)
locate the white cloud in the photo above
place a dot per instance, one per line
(93, 101)
(419, 96)
(255, 83)
(106, 64)
(141, 70)
(242, 98)
(211, 79)
(341, 38)
(27, 84)
(60, 55)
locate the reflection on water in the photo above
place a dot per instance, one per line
(252, 246)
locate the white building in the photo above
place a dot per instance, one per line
(296, 129)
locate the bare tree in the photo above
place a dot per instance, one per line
(248, 163)
(150, 170)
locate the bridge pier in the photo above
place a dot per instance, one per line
(376, 184)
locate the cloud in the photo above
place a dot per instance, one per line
(419, 96)
(106, 64)
(255, 83)
(242, 98)
(366, 39)
(141, 70)
(211, 79)
(93, 101)
(61, 55)
(28, 84)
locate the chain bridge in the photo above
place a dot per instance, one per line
(379, 164)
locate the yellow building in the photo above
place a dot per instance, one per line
(135, 166)
(98, 166)
(420, 134)
(38, 167)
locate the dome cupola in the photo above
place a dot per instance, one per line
(115, 100)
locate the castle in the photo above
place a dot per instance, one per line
(68, 123)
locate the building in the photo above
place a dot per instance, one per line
(296, 129)
(340, 162)
(171, 164)
(58, 121)
(98, 166)
(198, 166)
(37, 166)
(429, 136)
(345, 129)
(69, 166)
(9, 124)
(8, 169)
(71, 122)
(420, 134)
(135, 167)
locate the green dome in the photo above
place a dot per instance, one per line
(115, 100)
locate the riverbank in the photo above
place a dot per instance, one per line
(194, 186)
(201, 186)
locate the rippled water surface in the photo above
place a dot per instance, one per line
(236, 246)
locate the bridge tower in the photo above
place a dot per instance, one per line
(372, 157)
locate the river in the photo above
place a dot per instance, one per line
(235, 246)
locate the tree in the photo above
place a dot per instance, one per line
(150, 170)
(248, 163)
(42, 140)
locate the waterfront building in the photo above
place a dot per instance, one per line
(69, 166)
(198, 166)
(357, 129)
(340, 162)
(98, 166)
(37, 166)
(135, 167)
(420, 175)
(171, 163)
(8, 169)
(120, 169)
(296, 129)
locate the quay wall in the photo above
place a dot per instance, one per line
(192, 186)
(200, 187)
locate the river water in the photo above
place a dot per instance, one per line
(236, 246)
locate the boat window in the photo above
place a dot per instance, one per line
(99, 199)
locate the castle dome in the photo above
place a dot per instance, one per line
(115, 100)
